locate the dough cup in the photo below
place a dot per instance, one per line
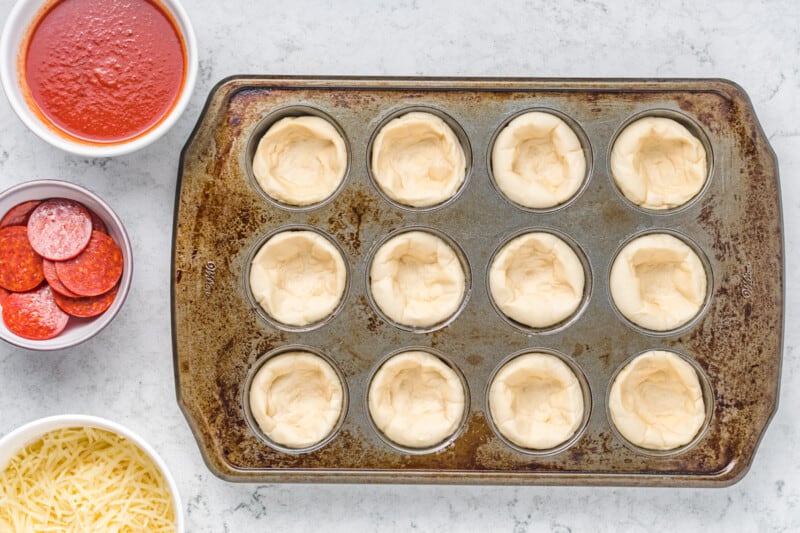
(694, 129)
(248, 412)
(263, 126)
(586, 395)
(465, 267)
(691, 322)
(586, 147)
(708, 400)
(257, 307)
(587, 282)
(460, 135)
(448, 439)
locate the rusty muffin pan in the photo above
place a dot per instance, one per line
(735, 343)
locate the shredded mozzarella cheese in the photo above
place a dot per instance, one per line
(84, 480)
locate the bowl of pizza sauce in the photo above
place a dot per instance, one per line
(98, 78)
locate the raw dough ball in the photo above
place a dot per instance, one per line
(536, 401)
(658, 282)
(656, 401)
(538, 161)
(658, 164)
(537, 280)
(416, 400)
(300, 160)
(298, 277)
(416, 279)
(417, 160)
(296, 399)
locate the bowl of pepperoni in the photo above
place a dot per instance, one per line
(66, 265)
(98, 78)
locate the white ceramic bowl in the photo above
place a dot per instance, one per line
(15, 441)
(78, 329)
(19, 20)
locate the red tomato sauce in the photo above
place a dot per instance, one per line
(104, 71)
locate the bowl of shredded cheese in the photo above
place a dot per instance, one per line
(84, 473)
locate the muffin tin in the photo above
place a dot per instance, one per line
(221, 217)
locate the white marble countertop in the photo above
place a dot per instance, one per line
(126, 373)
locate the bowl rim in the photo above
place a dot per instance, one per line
(125, 281)
(30, 431)
(9, 80)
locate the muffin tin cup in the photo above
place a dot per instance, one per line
(708, 400)
(261, 312)
(462, 258)
(695, 129)
(588, 157)
(460, 134)
(734, 223)
(585, 392)
(445, 442)
(263, 127)
(588, 282)
(248, 412)
(692, 322)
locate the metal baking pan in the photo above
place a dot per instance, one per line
(735, 223)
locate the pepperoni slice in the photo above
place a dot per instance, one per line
(86, 306)
(19, 214)
(50, 275)
(97, 222)
(59, 229)
(34, 315)
(20, 266)
(96, 270)
(3, 294)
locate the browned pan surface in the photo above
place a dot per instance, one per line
(220, 216)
